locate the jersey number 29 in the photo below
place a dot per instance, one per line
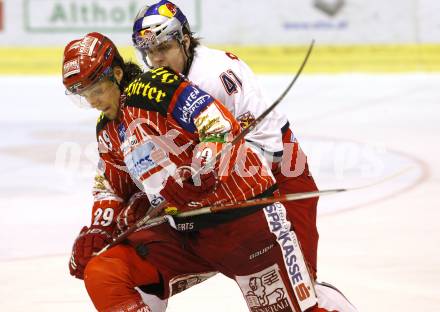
(106, 214)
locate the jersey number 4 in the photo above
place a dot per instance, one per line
(230, 81)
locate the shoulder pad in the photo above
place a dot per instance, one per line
(153, 90)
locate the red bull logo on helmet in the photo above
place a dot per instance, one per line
(147, 36)
(168, 10)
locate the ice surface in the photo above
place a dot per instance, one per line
(379, 245)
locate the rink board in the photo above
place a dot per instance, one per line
(263, 59)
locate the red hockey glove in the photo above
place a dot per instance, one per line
(136, 208)
(89, 241)
(185, 190)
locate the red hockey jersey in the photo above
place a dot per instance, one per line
(113, 185)
(167, 122)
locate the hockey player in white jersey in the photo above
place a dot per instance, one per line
(162, 37)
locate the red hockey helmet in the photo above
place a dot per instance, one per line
(87, 61)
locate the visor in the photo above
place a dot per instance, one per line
(77, 94)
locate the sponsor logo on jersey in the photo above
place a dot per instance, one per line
(121, 132)
(190, 103)
(183, 282)
(185, 227)
(128, 144)
(205, 154)
(99, 183)
(265, 291)
(246, 119)
(164, 75)
(145, 89)
(293, 258)
(132, 140)
(139, 161)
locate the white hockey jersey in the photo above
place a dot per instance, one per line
(227, 78)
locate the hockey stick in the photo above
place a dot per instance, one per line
(158, 209)
(238, 205)
(263, 115)
(271, 200)
(285, 197)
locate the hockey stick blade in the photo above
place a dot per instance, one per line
(158, 209)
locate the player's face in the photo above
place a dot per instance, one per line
(170, 53)
(104, 96)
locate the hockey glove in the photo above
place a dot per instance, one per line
(182, 189)
(136, 209)
(89, 241)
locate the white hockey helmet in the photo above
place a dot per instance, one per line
(157, 23)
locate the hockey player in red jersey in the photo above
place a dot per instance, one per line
(256, 246)
(87, 61)
(113, 187)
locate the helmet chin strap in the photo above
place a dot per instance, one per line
(189, 59)
(119, 86)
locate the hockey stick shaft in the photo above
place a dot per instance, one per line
(281, 198)
(158, 209)
(263, 115)
(287, 197)
(242, 204)
(258, 202)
